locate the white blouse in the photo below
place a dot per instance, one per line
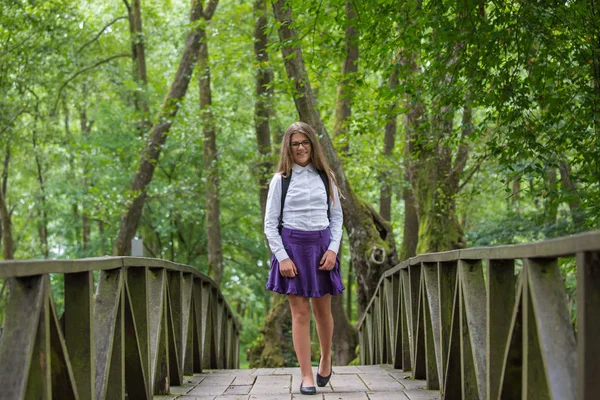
(305, 209)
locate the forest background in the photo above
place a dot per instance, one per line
(448, 123)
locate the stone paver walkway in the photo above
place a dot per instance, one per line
(372, 382)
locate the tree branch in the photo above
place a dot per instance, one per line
(81, 72)
(100, 33)
(209, 11)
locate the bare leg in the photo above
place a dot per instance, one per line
(322, 312)
(301, 336)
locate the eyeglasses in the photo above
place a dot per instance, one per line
(304, 143)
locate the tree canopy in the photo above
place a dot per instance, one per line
(497, 105)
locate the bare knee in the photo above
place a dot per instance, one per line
(301, 316)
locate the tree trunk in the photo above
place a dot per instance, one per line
(372, 245)
(385, 196)
(276, 349)
(158, 134)
(262, 110)
(573, 199)
(138, 54)
(344, 333)
(72, 172)
(435, 175)
(345, 88)
(211, 166)
(551, 197)
(42, 212)
(437, 183)
(7, 238)
(86, 128)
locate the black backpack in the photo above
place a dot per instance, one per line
(285, 184)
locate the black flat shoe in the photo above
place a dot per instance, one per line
(308, 389)
(323, 380)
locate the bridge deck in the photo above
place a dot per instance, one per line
(373, 382)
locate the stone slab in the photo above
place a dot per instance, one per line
(345, 396)
(372, 369)
(346, 370)
(387, 396)
(264, 371)
(272, 385)
(347, 383)
(217, 380)
(244, 380)
(188, 397)
(381, 382)
(238, 390)
(423, 394)
(413, 384)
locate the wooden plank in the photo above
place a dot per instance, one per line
(116, 372)
(588, 325)
(407, 353)
(159, 358)
(39, 380)
(186, 352)
(137, 290)
(176, 300)
(474, 295)
(391, 313)
(107, 335)
(220, 327)
(63, 380)
(469, 385)
(21, 319)
(136, 384)
(175, 372)
(433, 326)
(554, 329)
(419, 370)
(447, 273)
(511, 377)
(79, 332)
(500, 302)
(399, 339)
(378, 328)
(206, 324)
(433, 379)
(535, 384)
(198, 318)
(370, 348)
(453, 372)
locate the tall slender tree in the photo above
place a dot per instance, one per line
(158, 134)
(372, 245)
(210, 159)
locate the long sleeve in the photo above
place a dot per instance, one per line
(337, 221)
(272, 212)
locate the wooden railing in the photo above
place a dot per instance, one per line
(492, 323)
(131, 328)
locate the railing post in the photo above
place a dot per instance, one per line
(588, 325)
(501, 281)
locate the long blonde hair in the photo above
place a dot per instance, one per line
(317, 158)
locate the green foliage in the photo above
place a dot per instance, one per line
(528, 69)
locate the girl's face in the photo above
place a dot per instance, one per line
(301, 148)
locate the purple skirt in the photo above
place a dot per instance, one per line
(305, 249)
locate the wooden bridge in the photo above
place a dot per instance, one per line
(483, 323)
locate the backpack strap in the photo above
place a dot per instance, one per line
(325, 180)
(285, 184)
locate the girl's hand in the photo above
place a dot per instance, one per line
(327, 261)
(288, 268)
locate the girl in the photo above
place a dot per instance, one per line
(303, 225)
